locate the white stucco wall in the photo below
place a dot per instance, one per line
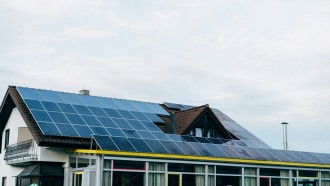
(14, 122)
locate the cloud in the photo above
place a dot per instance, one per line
(87, 32)
(32, 51)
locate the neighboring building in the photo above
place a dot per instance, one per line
(52, 138)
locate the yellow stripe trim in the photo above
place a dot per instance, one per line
(200, 158)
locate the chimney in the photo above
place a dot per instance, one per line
(84, 92)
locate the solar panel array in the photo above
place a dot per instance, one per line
(199, 146)
(124, 125)
(75, 115)
(177, 106)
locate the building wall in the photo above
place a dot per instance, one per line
(18, 133)
(14, 122)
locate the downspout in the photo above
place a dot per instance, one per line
(173, 123)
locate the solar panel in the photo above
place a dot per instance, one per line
(75, 119)
(49, 129)
(83, 131)
(140, 116)
(88, 100)
(82, 109)
(154, 118)
(112, 113)
(97, 111)
(136, 125)
(50, 96)
(67, 108)
(41, 116)
(107, 122)
(70, 98)
(126, 114)
(116, 132)
(105, 143)
(151, 126)
(67, 130)
(189, 138)
(34, 104)
(29, 93)
(146, 135)
(91, 120)
(140, 145)
(99, 131)
(172, 147)
(175, 137)
(123, 144)
(202, 150)
(156, 146)
(58, 117)
(131, 133)
(215, 150)
(122, 123)
(187, 149)
(51, 106)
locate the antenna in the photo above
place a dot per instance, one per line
(285, 135)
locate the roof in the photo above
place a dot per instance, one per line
(70, 120)
(43, 169)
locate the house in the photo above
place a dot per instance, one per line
(52, 138)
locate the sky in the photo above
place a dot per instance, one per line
(260, 62)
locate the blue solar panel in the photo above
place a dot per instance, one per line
(67, 130)
(82, 109)
(112, 113)
(161, 136)
(136, 124)
(99, 131)
(29, 93)
(151, 126)
(34, 104)
(107, 122)
(140, 106)
(88, 100)
(187, 149)
(172, 147)
(105, 143)
(122, 123)
(123, 104)
(202, 150)
(69, 98)
(189, 138)
(154, 118)
(175, 137)
(41, 116)
(97, 111)
(229, 151)
(51, 106)
(49, 129)
(67, 108)
(156, 146)
(83, 131)
(123, 144)
(215, 150)
(202, 140)
(75, 119)
(140, 145)
(140, 116)
(91, 121)
(50, 96)
(131, 133)
(58, 117)
(126, 114)
(157, 109)
(116, 132)
(106, 102)
(146, 135)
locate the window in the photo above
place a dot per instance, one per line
(4, 181)
(6, 138)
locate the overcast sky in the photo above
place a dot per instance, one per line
(260, 62)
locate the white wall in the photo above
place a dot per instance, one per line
(15, 120)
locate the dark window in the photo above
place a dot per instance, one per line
(6, 138)
(4, 181)
(131, 165)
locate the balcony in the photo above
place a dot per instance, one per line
(21, 152)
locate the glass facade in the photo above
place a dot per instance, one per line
(118, 171)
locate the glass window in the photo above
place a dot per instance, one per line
(132, 165)
(107, 164)
(156, 179)
(4, 181)
(156, 167)
(177, 167)
(198, 132)
(83, 162)
(106, 178)
(6, 138)
(73, 162)
(250, 171)
(228, 170)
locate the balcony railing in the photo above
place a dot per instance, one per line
(25, 150)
